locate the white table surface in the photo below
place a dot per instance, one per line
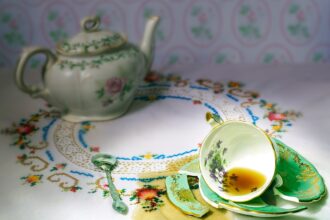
(305, 88)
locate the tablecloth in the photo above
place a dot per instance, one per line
(45, 168)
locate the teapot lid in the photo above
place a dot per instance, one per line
(91, 40)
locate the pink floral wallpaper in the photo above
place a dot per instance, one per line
(202, 31)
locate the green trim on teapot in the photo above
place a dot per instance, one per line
(108, 42)
(99, 60)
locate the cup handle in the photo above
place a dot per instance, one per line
(34, 91)
(213, 119)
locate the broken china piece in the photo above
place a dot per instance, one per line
(94, 75)
(295, 179)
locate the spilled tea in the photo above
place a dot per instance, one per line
(241, 181)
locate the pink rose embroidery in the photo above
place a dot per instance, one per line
(25, 129)
(276, 116)
(114, 85)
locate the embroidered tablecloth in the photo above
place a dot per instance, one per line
(45, 167)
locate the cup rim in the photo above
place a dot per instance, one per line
(272, 144)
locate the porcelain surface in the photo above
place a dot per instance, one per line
(256, 207)
(181, 196)
(233, 144)
(301, 182)
(94, 75)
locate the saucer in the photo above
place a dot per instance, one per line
(301, 181)
(256, 207)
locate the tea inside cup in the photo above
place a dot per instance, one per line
(238, 160)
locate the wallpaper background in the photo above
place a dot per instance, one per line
(202, 31)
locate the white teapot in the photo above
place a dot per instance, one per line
(94, 75)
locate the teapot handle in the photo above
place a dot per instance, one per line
(34, 91)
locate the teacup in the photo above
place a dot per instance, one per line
(237, 159)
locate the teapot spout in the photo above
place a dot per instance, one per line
(148, 41)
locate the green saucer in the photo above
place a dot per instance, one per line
(256, 207)
(301, 180)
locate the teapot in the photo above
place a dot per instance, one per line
(93, 75)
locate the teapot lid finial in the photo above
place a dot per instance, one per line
(90, 24)
(91, 40)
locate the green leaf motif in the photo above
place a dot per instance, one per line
(244, 30)
(318, 57)
(293, 29)
(201, 32)
(293, 9)
(299, 30)
(249, 31)
(52, 15)
(244, 10)
(106, 193)
(195, 10)
(14, 38)
(196, 31)
(97, 62)
(5, 18)
(221, 58)
(147, 13)
(268, 58)
(58, 35)
(100, 93)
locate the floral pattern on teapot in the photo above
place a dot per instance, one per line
(114, 86)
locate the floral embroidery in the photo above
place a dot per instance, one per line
(232, 84)
(217, 87)
(73, 189)
(280, 119)
(58, 166)
(21, 158)
(197, 102)
(26, 128)
(86, 126)
(114, 86)
(152, 77)
(32, 180)
(149, 197)
(94, 149)
(148, 156)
